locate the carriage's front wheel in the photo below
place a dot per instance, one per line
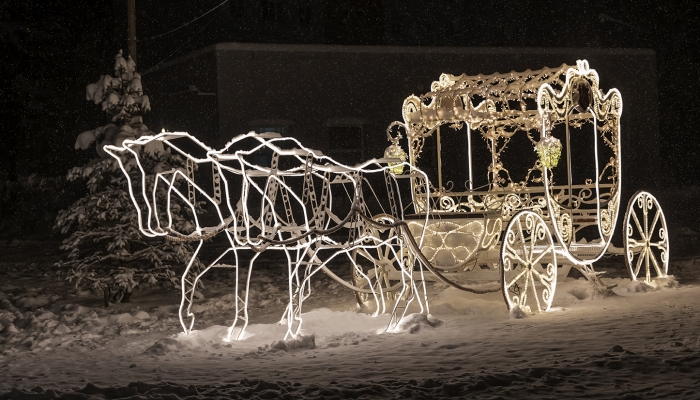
(528, 263)
(645, 238)
(376, 267)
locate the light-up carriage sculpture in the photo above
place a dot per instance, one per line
(268, 193)
(522, 230)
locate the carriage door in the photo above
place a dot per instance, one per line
(581, 193)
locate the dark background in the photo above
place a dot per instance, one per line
(50, 50)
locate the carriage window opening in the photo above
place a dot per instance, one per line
(519, 156)
(454, 155)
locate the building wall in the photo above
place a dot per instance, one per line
(184, 96)
(310, 89)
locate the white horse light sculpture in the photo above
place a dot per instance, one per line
(287, 198)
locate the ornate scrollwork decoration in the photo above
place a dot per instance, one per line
(528, 263)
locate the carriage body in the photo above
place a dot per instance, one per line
(514, 154)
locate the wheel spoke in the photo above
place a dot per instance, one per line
(541, 255)
(371, 273)
(646, 265)
(534, 291)
(520, 262)
(523, 293)
(663, 245)
(639, 226)
(531, 248)
(652, 255)
(382, 255)
(545, 279)
(653, 224)
(634, 243)
(639, 262)
(514, 280)
(514, 255)
(522, 236)
(655, 263)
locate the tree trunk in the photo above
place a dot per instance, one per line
(106, 293)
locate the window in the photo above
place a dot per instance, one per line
(305, 17)
(238, 10)
(271, 10)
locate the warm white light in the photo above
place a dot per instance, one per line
(645, 238)
(531, 104)
(302, 230)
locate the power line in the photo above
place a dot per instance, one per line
(182, 26)
(183, 45)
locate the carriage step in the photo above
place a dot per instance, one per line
(587, 250)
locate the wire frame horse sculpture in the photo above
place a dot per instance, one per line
(271, 193)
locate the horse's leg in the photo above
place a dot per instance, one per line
(404, 299)
(296, 295)
(301, 288)
(242, 302)
(289, 316)
(188, 286)
(290, 295)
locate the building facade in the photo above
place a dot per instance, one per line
(340, 99)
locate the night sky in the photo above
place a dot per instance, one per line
(50, 50)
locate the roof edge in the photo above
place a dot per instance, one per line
(324, 48)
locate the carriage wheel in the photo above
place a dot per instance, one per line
(528, 263)
(645, 238)
(379, 263)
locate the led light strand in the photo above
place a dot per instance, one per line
(301, 243)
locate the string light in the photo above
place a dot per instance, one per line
(500, 106)
(309, 244)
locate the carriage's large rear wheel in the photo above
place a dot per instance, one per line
(528, 263)
(378, 267)
(645, 238)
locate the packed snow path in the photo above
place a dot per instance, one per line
(56, 342)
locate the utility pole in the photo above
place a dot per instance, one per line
(131, 23)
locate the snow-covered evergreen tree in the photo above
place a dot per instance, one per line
(105, 248)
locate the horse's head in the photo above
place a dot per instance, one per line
(161, 177)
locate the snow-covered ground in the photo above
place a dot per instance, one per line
(59, 342)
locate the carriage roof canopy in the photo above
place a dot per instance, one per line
(499, 106)
(500, 87)
(503, 102)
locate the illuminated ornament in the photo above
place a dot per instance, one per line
(395, 151)
(282, 202)
(549, 151)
